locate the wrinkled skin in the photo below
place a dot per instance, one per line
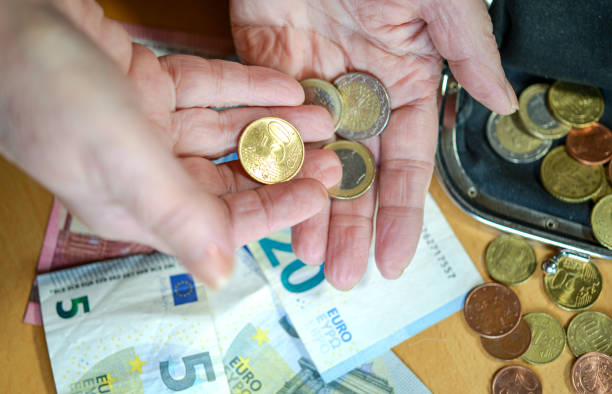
(131, 156)
(401, 43)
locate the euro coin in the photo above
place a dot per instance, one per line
(576, 285)
(516, 379)
(358, 169)
(510, 346)
(366, 106)
(590, 331)
(592, 374)
(547, 338)
(271, 150)
(591, 145)
(535, 115)
(575, 105)
(324, 94)
(510, 260)
(509, 139)
(605, 190)
(492, 310)
(569, 180)
(601, 221)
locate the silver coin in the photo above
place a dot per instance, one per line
(509, 139)
(537, 119)
(324, 94)
(365, 106)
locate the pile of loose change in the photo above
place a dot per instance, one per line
(271, 149)
(494, 312)
(574, 172)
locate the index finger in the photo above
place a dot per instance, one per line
(204, 83)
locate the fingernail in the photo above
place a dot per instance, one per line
(216, 267)
(511, 97)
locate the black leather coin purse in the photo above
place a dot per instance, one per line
(540, 42)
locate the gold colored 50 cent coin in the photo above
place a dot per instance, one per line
(569, 180)
(271, 150)
(358, 169)
(575, 105)
(575, 286)
(601, 221)
(510, 260)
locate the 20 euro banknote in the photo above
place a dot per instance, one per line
(131, 325)
(263, 353)
(342, 330)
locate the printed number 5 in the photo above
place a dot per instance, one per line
(190, 376)
(67, 314)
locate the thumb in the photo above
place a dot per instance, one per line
(461, 30)
(179, 216)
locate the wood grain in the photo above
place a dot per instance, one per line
(448, 357)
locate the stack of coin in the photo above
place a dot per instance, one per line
(271, 149)
(538, 338)
(360, 107)
(493, 311)
(573, 172)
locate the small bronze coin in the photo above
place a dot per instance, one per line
(591, 145)
(492, 310)
(516, 379)
(592, 373)
(511, 346)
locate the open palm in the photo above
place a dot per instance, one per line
(402, 44)
(133, 160)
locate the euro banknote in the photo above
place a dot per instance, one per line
(69, 243)
(263, 353)
(131, 325)
(343, 330)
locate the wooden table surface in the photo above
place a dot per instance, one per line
(447, 357)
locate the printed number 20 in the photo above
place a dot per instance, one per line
(269, 246)
(189, 379)
(67, 314)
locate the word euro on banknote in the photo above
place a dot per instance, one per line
(342, 330)
(131, 325)
(263, 353)
(69, 243)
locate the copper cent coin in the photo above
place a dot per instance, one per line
(592, 373)
(516, 379)
(492, 310)
(511, 346)
(591, 145)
